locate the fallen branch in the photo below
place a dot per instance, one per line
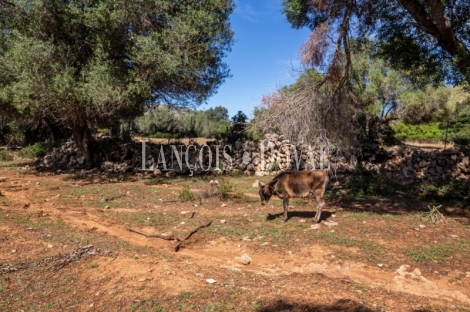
(113, 198)
(171, 237)
(177, 247)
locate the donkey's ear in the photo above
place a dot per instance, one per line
(260, 184)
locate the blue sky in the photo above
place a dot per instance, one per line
(263, 56)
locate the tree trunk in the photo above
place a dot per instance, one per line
(85, 143)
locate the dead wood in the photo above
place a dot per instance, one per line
(172, 237)
(114, 197)
(177, 247)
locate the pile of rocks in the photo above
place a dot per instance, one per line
(401, 164)
(115, 156)
(407, 165)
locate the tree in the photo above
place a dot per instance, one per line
(212, 123)
(381, 95)
(84, 64)
(238, 127)
(303, 111)
(430, 38)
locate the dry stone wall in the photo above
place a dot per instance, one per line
(401, 164)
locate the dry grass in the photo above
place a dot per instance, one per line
(186, 141)
(433, 145)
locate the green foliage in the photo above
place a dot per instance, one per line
(185, 194)
(462, 137)
(36, 150)
(83, 66)
(459, 130)
(424, 105)
(453, 192)
(431, 253)
(238, 131)
(165, 122)
(371, 185)
(274, 166)
(433, 214)
(94, 265)
(401, 29)
(5, 155)
(405, 131)
(165, 135)
(224, 188)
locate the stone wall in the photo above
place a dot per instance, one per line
(401, 164)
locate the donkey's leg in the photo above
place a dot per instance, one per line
(285, 203)
(320, 203)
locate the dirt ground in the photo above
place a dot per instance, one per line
(65, 245)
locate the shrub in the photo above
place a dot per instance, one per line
(5, 156)
(186, 195)
(36, 150)
(430, 131)
(461, 137)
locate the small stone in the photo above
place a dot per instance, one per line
(13, 250)
(143, 279)
(255, 184)
(380, 265)
(454, 236)
(330, 223)
(302, 221)
(315, 226)
(422, 226)
(223, 221)
(184, 212)
(244, 259)
(223, 205)
(211, 281)
(107, 207)
(50, 246)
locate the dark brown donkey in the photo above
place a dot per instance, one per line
(296, 184)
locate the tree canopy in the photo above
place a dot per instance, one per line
(168, 121)
(429, 38)
(82, 64)
(379, 97)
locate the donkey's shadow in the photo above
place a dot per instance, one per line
(300, 214)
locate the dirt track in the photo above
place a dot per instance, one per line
(45, 218)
